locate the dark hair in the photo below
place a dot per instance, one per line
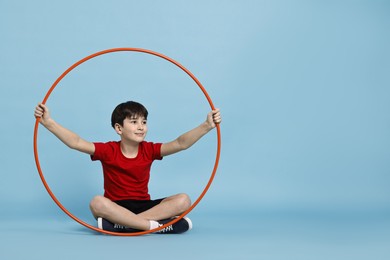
(127, 109)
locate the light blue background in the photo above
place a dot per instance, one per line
(304, 88)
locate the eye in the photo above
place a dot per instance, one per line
(144, 122)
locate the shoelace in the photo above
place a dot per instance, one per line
(166, 229)
(119, 226)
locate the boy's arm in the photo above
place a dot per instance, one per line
(68, 137)
(188, 139)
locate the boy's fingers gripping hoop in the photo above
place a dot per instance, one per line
(36, 140)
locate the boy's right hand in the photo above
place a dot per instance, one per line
(42, 112)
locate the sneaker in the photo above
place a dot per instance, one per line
(109, 226)
(181, 226)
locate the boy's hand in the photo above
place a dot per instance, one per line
(214, 117)
(42, 112)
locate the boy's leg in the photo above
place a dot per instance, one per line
(105, 208)
(169, 207)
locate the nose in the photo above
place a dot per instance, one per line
(140, 126)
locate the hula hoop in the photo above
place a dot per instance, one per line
(36, 138)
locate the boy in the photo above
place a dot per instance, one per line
(126, 205)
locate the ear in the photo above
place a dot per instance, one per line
(118, 128)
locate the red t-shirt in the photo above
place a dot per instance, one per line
(126, 178)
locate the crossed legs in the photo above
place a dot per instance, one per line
(169, 207)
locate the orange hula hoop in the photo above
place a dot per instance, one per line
(36, 141)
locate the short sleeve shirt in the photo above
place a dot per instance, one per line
(126, 178)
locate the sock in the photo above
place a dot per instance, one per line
(153, 224)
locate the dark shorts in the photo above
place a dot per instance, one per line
(138, 206)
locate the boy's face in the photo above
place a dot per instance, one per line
(133, 129)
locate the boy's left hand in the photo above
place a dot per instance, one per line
(214, 117)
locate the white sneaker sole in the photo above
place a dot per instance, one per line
(189, 223)
(100, 223)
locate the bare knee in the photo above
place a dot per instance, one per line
(183, 202)
(98, 206)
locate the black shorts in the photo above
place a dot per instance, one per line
(138, 206)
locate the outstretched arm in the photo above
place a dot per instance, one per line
(188, 139)
(68, 137)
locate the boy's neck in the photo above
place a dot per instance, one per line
(129, 150)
